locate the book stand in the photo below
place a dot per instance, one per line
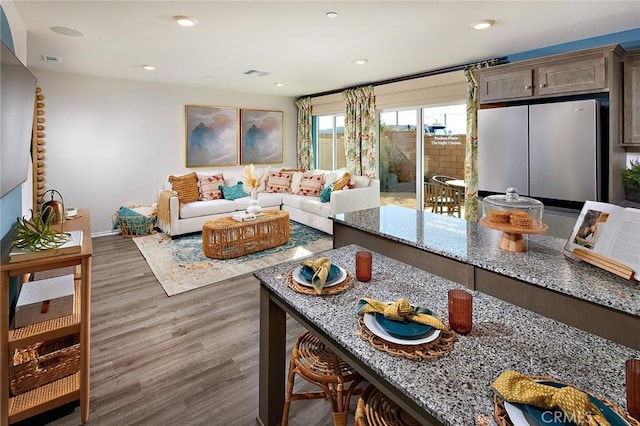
(605, 263)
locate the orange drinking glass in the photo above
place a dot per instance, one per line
(363, 265)
(460, 311)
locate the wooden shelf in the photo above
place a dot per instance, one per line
(64, 390)
(44, 398)
(46, 330)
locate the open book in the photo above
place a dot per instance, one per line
(607, 231)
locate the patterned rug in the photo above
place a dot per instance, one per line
(180, 265)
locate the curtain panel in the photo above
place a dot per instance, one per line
(360, 131)
(471, 153)
(304, 145)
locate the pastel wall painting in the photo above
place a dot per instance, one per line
(212, 136)
(261, 136)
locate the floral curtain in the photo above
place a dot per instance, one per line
(471, 154)
(360, 130)
(304, 141)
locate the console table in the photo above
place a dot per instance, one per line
(67, 389)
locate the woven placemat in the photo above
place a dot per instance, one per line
(326, 291)
(501, 416)
(427, 351)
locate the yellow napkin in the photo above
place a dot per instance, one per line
(519, 388)
(320, 268)
(398, 311)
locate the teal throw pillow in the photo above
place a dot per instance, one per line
(325, 195)
(233, 192)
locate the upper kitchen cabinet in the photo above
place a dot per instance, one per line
(632, 98)
(585, 71)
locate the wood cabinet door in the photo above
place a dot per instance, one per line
(632, 100)
(573, 76)
(505, 85)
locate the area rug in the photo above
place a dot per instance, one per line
(180, 265)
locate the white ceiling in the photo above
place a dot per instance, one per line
(296, 42)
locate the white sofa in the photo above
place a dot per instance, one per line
(305, 209)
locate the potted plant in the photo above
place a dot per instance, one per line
(631, 181)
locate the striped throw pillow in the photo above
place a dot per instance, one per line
(279, 182)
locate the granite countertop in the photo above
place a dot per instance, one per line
(544, 264)
(456, 389)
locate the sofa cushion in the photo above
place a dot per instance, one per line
(210, 186)
(307, 204)
(342, 182)
(233, 192)
(205, 208)
(186, 186)
(311, 184)
(279, 182)
(359, 182)
(325, 195)
(266, 199)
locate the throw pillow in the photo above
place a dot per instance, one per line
(233, 192)
(311, 184)
(359, 182)
(295, 182)
(210, 186)
(186, 186)
(342, 182)
(279, 182)
(325, 195)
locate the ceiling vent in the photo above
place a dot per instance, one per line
(257, 73)
(52, 58)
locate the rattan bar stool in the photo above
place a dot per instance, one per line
(374, 408)
(320, 366)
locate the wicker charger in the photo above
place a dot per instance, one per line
(501, 416)
(426, 351)
(326, 291)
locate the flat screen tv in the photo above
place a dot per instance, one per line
(17, 101)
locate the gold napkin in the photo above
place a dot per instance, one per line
(400, 310)
(519, 388)
(320, 268)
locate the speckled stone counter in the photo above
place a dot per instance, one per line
(544, 264)
(455, 389)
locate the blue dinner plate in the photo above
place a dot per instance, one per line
(403, 329)
(545, 417)
(307, 273)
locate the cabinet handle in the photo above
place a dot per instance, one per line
(543, 85)
(528, 87)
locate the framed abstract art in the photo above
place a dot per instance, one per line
(261, 136)
(212, 136)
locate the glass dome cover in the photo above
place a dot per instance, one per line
(511, 209)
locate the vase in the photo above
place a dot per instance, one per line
(632, 193)
(254, 204)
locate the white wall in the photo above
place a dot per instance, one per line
(112, 142)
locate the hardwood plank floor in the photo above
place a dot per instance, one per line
(189, 359)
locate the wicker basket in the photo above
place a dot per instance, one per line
(135, 226)
(43, 363)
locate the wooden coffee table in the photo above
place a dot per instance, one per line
(226, 238)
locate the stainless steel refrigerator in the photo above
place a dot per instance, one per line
(547, 151)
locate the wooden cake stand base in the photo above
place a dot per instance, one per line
(512, 236)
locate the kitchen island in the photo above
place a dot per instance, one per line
(542, 279)
(454, 389)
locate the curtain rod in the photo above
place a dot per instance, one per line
(497, 61)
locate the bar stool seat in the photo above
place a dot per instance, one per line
(374, 408)
(320, 366)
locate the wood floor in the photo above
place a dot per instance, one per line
(189, 359)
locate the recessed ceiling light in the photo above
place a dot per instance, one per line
(483, 25)
(360, 61)
(185, 21)
(332, 15)
(278, 84)
(67, 31)
(149, 67)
